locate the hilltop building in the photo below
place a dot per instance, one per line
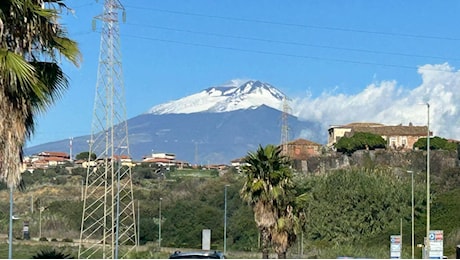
(165, 159)
(300, 149)
(46, 159)
(398, 137)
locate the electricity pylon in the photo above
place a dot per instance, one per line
(285, 126)
(108, 228)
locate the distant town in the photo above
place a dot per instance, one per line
(398, 137)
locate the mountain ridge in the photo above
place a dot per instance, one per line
(210, 135)
(223, 98)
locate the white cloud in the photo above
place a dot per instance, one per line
(386, 102)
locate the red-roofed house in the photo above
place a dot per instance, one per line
(300, 149)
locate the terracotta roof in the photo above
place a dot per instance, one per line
(394, 130)
(54, 154)
(121, 157)
(55, 159)
(363, 124)
(238, 160)
(301, 141)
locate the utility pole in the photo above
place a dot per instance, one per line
(108, 219)
(428, 199)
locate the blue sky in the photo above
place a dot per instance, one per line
(339, 61)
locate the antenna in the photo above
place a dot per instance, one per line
(108, 219)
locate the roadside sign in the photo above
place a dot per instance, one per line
(395, 247)
(436, 244)
(206, 239)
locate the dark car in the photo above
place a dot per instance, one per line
(197, 255)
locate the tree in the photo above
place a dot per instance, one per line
(284, 233)
(85, 156)
(353, 205)
(436, 143)
(360, 141)
(267, 176)
(30, 76)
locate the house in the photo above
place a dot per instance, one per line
(46, 159)
(61, 155)
(398, 137)
(300, 149)
(125, 160)
(165, 159)
(238, 163)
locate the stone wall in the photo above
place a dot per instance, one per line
(412, 160)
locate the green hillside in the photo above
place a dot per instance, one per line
(351, 212)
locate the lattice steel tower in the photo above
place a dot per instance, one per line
(108, 228)
(285, 126)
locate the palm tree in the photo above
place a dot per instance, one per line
(31, 41)
(267, 176)
(284, 233)
(30, 77)
(51, 254)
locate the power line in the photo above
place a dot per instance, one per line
(368, 51)
(279, 54)
(298, 55)
(292, 43)
(329, 28)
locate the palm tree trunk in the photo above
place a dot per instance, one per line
(10, 231)
(282, 255)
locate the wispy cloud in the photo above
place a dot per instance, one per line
(386, 102)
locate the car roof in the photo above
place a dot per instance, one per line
(197, 255)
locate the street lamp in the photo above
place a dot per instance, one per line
(225, 219)
(427, 246)
(159, 226)
(412, 209)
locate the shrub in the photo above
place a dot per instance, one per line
(360, 141)
(51, 254)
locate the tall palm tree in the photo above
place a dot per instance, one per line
(31, 43)
(284, 233)
(267, 175)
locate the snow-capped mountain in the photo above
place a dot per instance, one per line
(217, 125)
(228, 97)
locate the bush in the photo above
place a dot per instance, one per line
(436, 143)
(43, 239)
(360, 141)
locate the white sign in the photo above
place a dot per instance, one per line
(395, 247)
(436, 247)
(206, 239)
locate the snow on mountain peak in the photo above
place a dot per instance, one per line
(231, 96)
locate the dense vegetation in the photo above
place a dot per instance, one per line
(436, 143)
(360, 141)
(348, 212)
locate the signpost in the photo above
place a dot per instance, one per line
(25, 229)
(436, 250)
(206, 239)
(395, 247)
